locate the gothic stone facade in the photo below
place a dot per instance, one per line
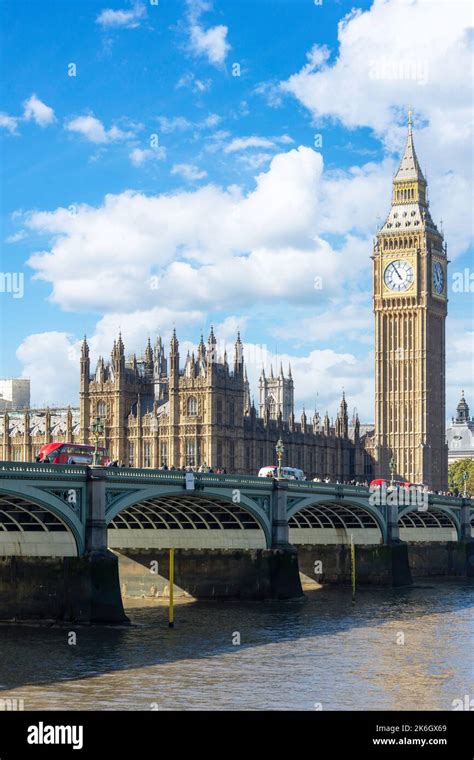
(156, 413)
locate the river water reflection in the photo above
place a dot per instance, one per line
(292, 655)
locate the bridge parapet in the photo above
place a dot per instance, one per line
(40, 471)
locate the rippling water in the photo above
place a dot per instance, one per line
(292, 655)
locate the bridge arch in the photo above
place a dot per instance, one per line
(438, 523)
(323, 519)
(204, 518)
(36, 523)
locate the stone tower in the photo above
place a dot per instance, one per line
(276, 394)
(410, 306)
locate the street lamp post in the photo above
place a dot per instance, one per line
(279, 448)
(97, 430)
(392, 467)
(465, 477)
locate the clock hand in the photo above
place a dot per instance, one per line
(398, 273)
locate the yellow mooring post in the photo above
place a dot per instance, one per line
(170, 610)
(353, 569)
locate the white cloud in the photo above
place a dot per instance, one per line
(177, 123)
(35, 109)
(189, 80)
(194, 242)
(210, 43)
(93, 130)
(212, 120)
(243, 143)
(272, 92)
(122, 19)
(16, 237)
(139, 156)
(51, 363)
(255, 161)
(352, 319)
(10, 123)
(189, 172)
(389, 56)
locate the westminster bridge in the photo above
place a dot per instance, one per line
(67, 533)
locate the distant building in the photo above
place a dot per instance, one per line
(460, 434)
(14, 393)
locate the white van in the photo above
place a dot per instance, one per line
(290, 473)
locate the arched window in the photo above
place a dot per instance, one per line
(101, 409)
(192, 407)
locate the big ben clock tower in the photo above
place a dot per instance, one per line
(410, 306)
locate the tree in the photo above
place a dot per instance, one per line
(456, 476)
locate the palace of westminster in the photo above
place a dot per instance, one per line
(158, 411)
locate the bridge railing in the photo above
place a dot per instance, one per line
(38, 470)
(179, 476)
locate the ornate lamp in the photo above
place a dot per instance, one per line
(279, 448)
(97, 430)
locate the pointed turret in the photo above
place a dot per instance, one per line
(462, 410)
(174, 356)
(85, 365)
(247, 402)
(118, 356)
(238, 355)
(304, 421)
(409, 169)
(201, 348)
(327, 424)
(84, 349)
(342, 421)
(211, 348)
(148, 360)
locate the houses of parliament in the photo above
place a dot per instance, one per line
(197, 410)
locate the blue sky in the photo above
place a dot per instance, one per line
(177, 180)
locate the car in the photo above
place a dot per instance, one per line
(289, 473)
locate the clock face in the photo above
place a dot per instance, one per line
(398, 275)
(438, 278)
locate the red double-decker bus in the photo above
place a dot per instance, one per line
(71, 453)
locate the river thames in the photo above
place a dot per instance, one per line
(395, 649)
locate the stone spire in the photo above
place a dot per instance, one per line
(238, 355)
(409, 169)
(211, 348)
(149, 353)
(174, 356)
(85, 349)
(462, 410)
(85, 364)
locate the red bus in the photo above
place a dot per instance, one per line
(399, 483)
(70, 453)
